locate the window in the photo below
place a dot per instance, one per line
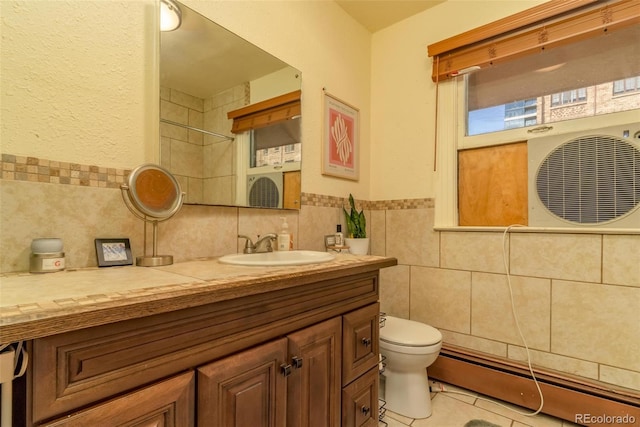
(514, 62)
(631, 84)
(276, 144)
(549, 87)
(569, 97)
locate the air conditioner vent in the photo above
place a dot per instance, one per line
(265, 190)
(588, 179)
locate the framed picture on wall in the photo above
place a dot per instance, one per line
(340, 139)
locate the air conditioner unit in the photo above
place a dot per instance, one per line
(265, 190)
(585, 179)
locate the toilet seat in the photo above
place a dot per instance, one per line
(409, 333)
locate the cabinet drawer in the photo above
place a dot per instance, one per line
(360, 401)
(360, 342)
(168, 403)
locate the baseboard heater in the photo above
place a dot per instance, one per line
(570, 398)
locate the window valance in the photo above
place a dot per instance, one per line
(551, 24)
(266, 113)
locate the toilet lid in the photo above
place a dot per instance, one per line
(409, 333)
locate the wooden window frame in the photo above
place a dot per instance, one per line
(555, 23)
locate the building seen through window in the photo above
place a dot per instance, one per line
(611, 97)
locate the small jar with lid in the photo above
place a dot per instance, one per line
(46, 255)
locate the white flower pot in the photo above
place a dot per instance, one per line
(359, 246)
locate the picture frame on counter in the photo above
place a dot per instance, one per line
(113, 252)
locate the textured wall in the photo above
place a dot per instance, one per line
(76, 81)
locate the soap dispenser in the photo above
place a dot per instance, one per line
(285, 242)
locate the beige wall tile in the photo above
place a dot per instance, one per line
(196, 120)
(491, 312)
(186, 100)
(253, 222)
(621, 260)
(410, 237)
(199, 231)
(315, 223)
(76, 214)
(599, 323)
(394, 291)
(621, 377)
(376, 229)
(218, 159)
(475, 343)
(219, 191)
(441, 298)
(560, 363)
(186, 159)
(175, 113)
(559, 256)
(194, 189)
(477, 251)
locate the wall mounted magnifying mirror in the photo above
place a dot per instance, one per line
(152, 194)
(206, 72)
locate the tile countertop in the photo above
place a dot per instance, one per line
(38, 305)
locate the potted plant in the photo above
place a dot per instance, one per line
(356, 239)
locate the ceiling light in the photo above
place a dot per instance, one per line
(170, 15)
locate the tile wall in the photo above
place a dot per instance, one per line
(203, 164)
(576, 295)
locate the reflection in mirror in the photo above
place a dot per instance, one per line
(207, 72)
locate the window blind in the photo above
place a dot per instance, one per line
(266, 113)
(552, 24)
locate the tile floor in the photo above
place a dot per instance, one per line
(455, 410)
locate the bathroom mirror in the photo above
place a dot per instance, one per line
(205, 72)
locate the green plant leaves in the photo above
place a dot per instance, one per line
(356, 221)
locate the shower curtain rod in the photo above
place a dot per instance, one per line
(219, 135)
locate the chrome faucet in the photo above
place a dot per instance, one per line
(263, 244)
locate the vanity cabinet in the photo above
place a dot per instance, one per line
(304, 355)
(361, 336)
(167, 403)
(245, 390)
(294, 381)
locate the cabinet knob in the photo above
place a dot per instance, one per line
(285, 369)
(366, 342)
(296, 362)
(365, 410)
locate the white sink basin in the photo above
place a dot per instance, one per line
(278, 258)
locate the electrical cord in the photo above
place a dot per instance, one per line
(524, 341)
(21, 358)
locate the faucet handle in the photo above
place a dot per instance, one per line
(248, 246)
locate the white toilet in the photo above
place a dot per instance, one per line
(409, 347)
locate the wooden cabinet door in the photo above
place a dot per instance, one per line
(360, 401)
(313, 390)
(168, 403)
(244, 390)
(360, 336)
